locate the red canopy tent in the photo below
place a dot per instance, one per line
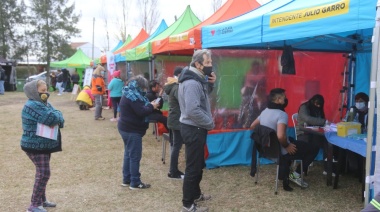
(184, 43)
(135, 42)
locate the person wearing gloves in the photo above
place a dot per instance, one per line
(196, 83)
(116, 87)
(85, 99)
(132, 125)
(36, 111)
(176, 141)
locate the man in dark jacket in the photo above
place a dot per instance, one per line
(196, 120)
(155, 92)
(171, 89)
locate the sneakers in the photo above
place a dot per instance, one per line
(177, 176)
(114, 119)
(296, 178)
(194, 208)
(141, 186)
(36, 209)
(100, 118)
(125, 183)
(202, 197)
(325, 173)
(48, 204)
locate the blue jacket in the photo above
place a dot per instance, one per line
(37, 112)
(134, 116)
(116, 87)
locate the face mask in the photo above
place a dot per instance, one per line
(285, 103)
(102, 73)
(44, 96)
(207, 70)
(360, 105)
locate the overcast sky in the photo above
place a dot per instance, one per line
(111, 9)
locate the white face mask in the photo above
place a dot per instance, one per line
(360, 105)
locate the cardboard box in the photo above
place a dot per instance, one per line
(348, 128)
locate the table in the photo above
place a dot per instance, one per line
(358, 146)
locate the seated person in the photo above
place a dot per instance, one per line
(359, 112)
(85, 99)
(275, 117)
(155, 91)
(311, 113)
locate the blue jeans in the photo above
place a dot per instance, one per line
(132, 157)
(1, 86)
(176, 146)
(194, 139)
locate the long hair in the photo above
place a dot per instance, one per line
(316, 111)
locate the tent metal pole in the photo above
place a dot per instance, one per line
(372, 105)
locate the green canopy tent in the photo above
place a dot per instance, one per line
(144, 51)
(78, 60)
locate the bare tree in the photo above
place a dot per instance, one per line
(148, 14)
(216, 4)
(104, 14)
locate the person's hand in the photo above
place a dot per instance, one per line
(212, 78)
(291, 149)
(155, 105)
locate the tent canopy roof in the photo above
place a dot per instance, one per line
(78, 60)
(304, 24)
(191, 39)
(186, 21)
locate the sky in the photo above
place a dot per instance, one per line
(99, 9)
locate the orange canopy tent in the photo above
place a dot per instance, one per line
(185, 43)
(138, 39)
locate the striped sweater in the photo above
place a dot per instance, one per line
(37, 112)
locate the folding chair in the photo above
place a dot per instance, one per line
(268, 146)
(166, 137)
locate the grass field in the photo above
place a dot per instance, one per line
(86, 175)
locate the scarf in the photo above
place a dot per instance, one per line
(133, 92)
(272, 105)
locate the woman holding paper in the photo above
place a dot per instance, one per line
(40, 138)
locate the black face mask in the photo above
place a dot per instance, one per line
(285, 103)
(207, 70)
(44, 96)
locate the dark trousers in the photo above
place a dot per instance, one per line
(305, 151)
(115, 104)
(176, 145)
(194, 139)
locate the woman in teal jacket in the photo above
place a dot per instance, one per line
(116, 86)
(38, 111)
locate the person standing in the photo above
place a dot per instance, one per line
(75, 78)
(59, 82)
(176, 141)
(132, 126)
(98, 89)
(38, 111)
(155, 92)
(2, 79)
(116, 87)
(53, 81)
(196, 83)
